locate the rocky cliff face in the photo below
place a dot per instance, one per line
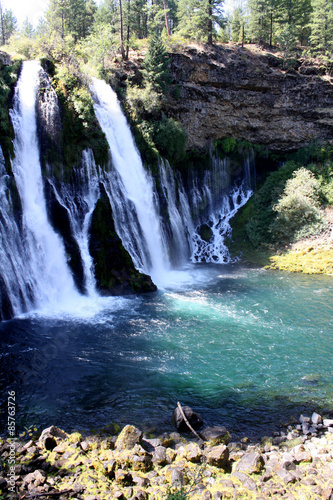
(246, 94)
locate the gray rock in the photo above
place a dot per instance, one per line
(141, 481)
(328, 422)
(139, 495)
(250, 463)
(216, 435)
(286, 476)
(218, 456)
(177, 477)
(247, 482)
(304, 420)
(128, 438)
(316, 418)
(193, 452)
(159, 456)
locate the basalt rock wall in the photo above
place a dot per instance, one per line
(246, 94)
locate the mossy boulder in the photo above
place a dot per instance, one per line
(128, 438)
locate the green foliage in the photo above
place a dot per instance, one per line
(288, 206)
(8, 24)
(288, 41)
(174, 494)
(71, 17)
(298, 212)
(156, 72)
(263, 215)
(21, 44)
(228, 145)
(170, 139)
(143, 100)
(8, 78)
(198, 19)
(80, 129)
(321, 26)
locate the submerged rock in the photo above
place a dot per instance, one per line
(194, 419)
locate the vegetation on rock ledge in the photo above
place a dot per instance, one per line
(291, 206)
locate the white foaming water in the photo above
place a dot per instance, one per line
(137, 183)
(50, 280)
(230, 201)
(79, 199)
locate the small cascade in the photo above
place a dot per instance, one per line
(46, 271)
(132, 191)
(223, 198)
(179, 217)
(15, 291)
(79, 199)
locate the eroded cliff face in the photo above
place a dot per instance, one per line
(246, 94)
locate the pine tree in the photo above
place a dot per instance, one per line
(8, 24)
(71, 17)
(156, 63)
(238, 25)
(197, 19)
(321, 24)
(27, 29)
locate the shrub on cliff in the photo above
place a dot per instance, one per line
(262, 214)
(170, 139)
(298, 212)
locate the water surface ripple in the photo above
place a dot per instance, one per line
(246, 348)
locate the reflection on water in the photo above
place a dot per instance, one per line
(244, 347)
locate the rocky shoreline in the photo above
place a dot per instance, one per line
(295, 464)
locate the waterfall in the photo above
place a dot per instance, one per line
(136, 201)
(79, 199)
(45, 266)
(44, 221)
(224, 195)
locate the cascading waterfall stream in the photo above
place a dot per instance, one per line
(34, 271)
(136, 182)
(79, 199)
(49, 278)
(222, 206)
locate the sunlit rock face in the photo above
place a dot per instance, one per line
(245, 93)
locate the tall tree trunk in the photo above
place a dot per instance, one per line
(128, 28)
(2, 25)
(210, 23)
(122, 50)
(166, 18)
(271, 31)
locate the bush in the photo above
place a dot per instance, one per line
(262, 214)
(143, 100)
(298, 212)
(170, 139)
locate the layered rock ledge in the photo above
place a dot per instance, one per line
(295, 464)
(248, 95)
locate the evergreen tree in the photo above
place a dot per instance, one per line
(27, 29)
(321, 24)
(71, 17)
(197, 19)
(295, 17)
(8, 24)
(264, 17)
(156, 63)
(237, 25)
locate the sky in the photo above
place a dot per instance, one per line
(35, 9)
